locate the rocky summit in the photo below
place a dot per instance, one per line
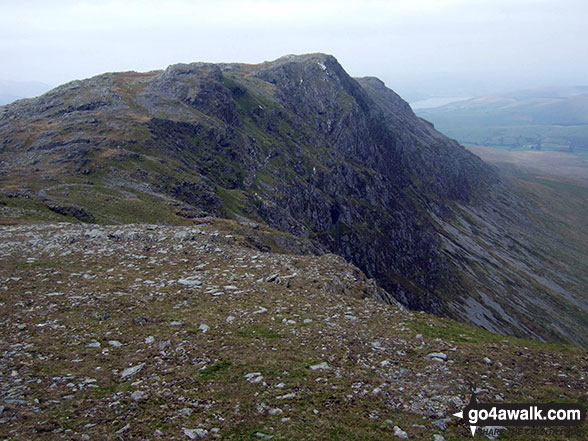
(298, 145)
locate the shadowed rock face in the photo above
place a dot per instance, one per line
(295, 143)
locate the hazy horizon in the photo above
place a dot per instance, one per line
(420, 49)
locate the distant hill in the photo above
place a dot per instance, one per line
(549, 119)
(6, 98)
(11, 91)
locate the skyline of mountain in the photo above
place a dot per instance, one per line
(297, 144)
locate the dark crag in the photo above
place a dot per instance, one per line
(301, 146)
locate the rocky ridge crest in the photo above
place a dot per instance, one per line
(296, 144)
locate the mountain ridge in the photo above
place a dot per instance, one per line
(297, 144)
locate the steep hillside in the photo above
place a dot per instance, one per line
(298, 145)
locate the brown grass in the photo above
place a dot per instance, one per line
(560, 164)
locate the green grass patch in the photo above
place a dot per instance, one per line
(215, 371)
(39, 264)
(258, 332)
(450, 330)
(234, 201)
(109, 390)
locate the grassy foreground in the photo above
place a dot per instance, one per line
(152, 332)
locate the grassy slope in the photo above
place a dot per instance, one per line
(555, 187)
(58, 295)
(557, 182)
(131, 183)
(561, 165)
(563, 210)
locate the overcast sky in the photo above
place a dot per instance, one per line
(437, 46)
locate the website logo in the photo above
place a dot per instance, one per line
(521, 414)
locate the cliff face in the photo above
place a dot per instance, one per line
(295, 143)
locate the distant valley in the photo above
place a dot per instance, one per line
(554, 119)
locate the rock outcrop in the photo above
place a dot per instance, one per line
(295, 143)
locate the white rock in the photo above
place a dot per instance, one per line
(204, 328)
(398, 432)
(186, 411)
(93, 344)
(254, 377)
(273, 277)
(487, 360)
(323, 365)
(438, 438)
(181, 235)
(149, 340)
(437, 356)
(138, 395)
(190, 282)
(230, 319)
(195, 433)
(115, 343)
(132, 371)
(123, 429)
(94, 234)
